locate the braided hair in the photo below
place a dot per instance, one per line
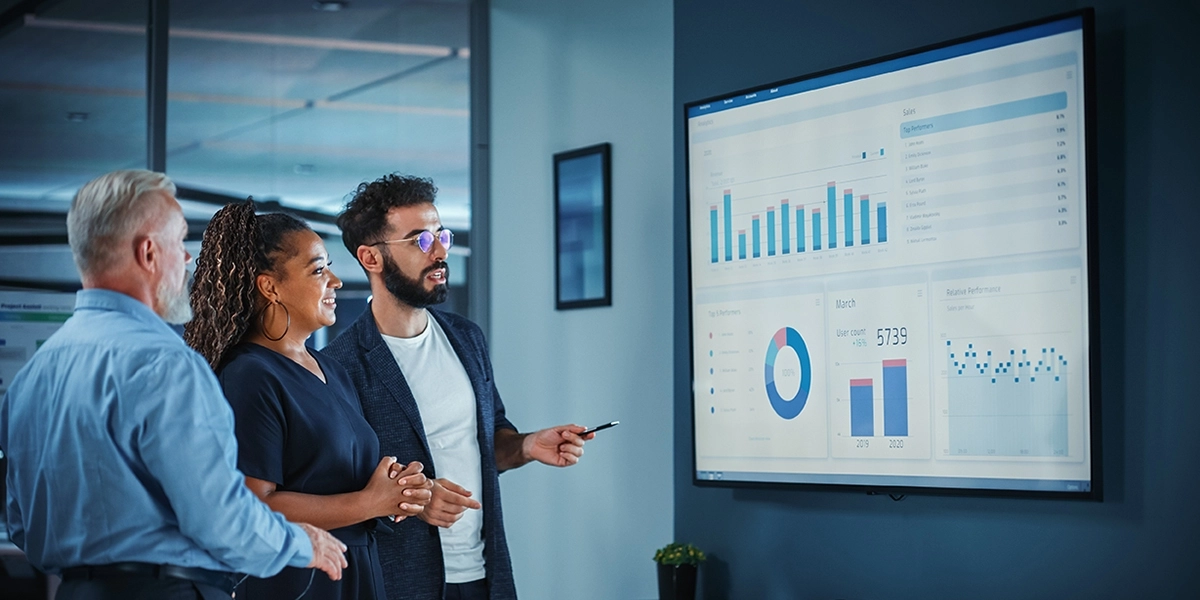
(238, 245)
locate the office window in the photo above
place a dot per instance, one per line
(297, 105)
(72, 105)
(291, 102)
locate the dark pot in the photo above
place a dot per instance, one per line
(676, 582)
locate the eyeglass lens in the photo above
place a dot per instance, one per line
(425, 239)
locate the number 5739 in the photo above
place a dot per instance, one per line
(891, 336)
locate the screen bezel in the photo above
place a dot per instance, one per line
(1087, 18)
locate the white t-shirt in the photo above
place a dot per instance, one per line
(446, 402)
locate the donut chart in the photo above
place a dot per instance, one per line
(788, 408)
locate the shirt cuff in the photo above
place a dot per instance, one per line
(303, 546)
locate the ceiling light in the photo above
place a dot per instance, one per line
(77, 117)
(330, 5)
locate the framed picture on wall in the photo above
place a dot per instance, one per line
(583, 228)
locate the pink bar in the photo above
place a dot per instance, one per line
(754, 218)
(864, 197)
(817, 210)
(741, 231)
(896, 362)
(770, 208)
(860, 383)
(727, 191)
(832, 184)
(714, 207)
(847, 191)
(781, 338)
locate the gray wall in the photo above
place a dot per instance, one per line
(1141, 541)
(566, 75)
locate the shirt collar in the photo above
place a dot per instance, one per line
(102, 299)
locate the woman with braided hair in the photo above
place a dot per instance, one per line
(262, 287)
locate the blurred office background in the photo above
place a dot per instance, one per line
(291, 102)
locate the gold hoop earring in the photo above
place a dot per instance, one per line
(262, 320)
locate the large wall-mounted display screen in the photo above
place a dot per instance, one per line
(892, 271)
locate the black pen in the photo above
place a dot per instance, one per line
(600, 427)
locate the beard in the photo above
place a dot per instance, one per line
(412, 291)
(175, 302)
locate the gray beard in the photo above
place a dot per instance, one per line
(176, 304)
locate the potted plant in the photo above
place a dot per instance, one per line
(677, 565)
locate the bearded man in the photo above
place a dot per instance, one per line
(425, 382)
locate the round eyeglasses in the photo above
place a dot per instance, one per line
(424, 240)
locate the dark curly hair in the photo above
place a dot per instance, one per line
(238, 245)
(364, 220)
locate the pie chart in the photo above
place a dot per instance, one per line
(788, 408)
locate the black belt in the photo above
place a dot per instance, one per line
(223, 581)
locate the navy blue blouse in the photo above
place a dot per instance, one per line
(294, 430)
(310, 437)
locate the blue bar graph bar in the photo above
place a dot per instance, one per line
(787, 233)
(770, 231)
(712, 219)
(800, 228)
(755, 238)
(832, 216)
(741, 244)
(864, 210)
(987, 114)
(895, 397)
(848, 195)
(816, 229)
(862, 407)
(881, 208)
(728, 227)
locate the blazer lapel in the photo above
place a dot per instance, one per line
(391, 381)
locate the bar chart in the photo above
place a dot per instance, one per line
(895, 401)
(879, 372)
(1006, 402)
(787, 227)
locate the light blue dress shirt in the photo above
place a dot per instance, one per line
(121, 448)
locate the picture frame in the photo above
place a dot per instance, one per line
(583, 227)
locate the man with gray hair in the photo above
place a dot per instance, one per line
(122, 458)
